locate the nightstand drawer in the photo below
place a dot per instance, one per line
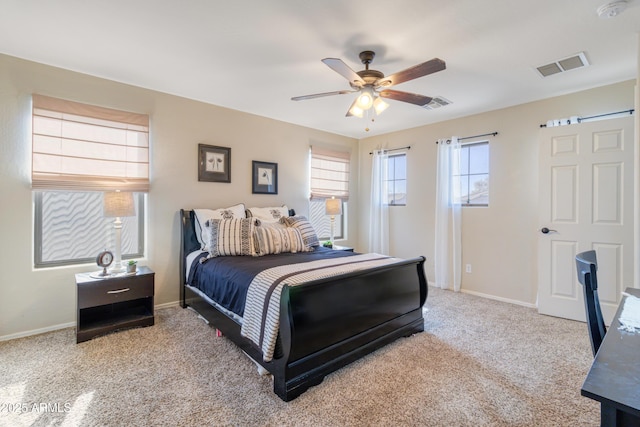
(102, 292)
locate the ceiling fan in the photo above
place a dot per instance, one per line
(373, 85)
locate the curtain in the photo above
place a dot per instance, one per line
(329, 174)
(447, 255)
(379, 209)
(80, 147)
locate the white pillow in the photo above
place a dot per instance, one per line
(203, 215)
(271, 214)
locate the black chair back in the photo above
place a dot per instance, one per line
(587, 266)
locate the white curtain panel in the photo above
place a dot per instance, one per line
(447, 256)
(379, 209)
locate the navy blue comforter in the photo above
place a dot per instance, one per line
(226, 279)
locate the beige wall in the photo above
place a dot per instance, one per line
(500, 241)
(38, 300)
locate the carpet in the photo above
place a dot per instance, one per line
(479, 363)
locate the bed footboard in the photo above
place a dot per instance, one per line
(323, 328)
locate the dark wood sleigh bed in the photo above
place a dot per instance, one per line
(324, 324)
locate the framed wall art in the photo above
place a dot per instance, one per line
(265, 177)
(214, 163)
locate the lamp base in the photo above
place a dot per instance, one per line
(117, 269)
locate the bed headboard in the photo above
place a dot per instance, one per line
(189, 240)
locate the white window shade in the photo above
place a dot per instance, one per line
(329, 174)
(83, 148)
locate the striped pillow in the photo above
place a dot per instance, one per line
(202, 215)
(275, 238)
(231, 237)
(306, 230)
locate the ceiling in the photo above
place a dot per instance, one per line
(253, 56)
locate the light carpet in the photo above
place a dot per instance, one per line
(478, 363)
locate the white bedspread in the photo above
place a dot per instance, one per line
(262, 309)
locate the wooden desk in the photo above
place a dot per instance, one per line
(614, 377)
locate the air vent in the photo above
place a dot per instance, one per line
(565, 64)
(437, 102)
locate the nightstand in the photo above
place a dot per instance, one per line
(109, 304)
(342, 248)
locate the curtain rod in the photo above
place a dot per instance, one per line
(408, 147)
(596, 116)
(448, 141)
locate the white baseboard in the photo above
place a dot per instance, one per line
(167, 305)
(493, 297)
(67, 325)
(37, 331)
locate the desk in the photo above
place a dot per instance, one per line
(614, 377)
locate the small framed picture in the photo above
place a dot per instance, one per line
(214, 163)
(265, 178)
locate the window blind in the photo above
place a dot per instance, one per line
(329, 174)
(88, 148)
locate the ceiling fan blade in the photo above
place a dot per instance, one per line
(411, 98)
(320, 95)
(344, 70)
(414, 72)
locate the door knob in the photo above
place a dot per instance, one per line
(545, 230)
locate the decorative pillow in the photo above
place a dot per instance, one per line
(231, 237)
(272, 214)
(203, 215)
(309, 235)
(276, 238)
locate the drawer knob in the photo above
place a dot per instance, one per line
(119, 291)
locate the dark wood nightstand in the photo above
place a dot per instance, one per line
(108, 304)
(342, 248)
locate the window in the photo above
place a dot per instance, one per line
(78, 152)
(329, 177)
(70, 228)
(322, 223)
(473, 178)
(397, 179)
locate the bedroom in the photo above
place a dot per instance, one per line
(35, 301)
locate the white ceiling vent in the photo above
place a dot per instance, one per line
(437, 102)
(570, 63)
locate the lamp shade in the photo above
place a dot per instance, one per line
(333, 206)
(118, 204)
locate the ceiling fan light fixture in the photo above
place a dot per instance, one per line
(365, 100)
(379, 105)
(355, 110)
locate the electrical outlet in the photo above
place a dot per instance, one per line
(468, 268)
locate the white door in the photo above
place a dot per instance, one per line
(586, 201)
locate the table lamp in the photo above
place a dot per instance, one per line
(118, 204)
(333, 207)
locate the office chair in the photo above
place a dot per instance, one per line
(587, 266)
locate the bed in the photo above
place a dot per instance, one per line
(323, 324)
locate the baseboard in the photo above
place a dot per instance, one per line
(68, 325)
(167, 305)
(37, 331)
(493, 297)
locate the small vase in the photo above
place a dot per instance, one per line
(131, 268)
